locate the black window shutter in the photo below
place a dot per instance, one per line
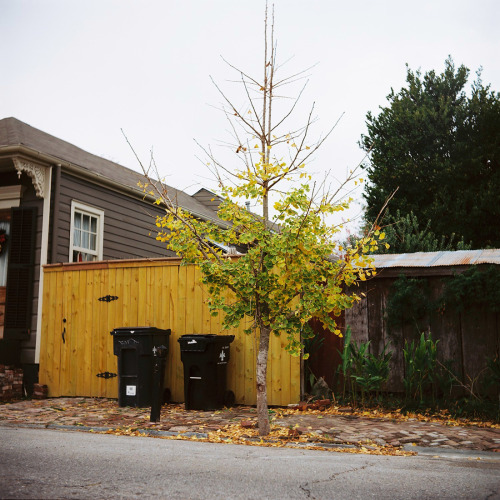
(19, 293)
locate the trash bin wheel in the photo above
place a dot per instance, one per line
(167, 396)
(229, 398)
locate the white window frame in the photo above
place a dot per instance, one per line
(77, 206)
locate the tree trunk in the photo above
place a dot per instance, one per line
(262, 411)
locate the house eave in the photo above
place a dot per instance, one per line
(85, 174)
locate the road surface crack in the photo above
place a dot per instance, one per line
(306, 487)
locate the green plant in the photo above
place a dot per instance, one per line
(369, 371)
(345, 356)
(365, 371)
(408, 303)
(404, 234)
(358, 376)
(420, 360)
(446, 378)
(378, 368)
(474, 287)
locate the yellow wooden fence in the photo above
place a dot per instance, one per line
(76, 344)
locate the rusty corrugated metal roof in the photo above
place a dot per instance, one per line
(436, 259)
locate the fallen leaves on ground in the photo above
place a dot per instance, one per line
(279, 437)
(441, 416)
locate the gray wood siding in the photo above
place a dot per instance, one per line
(209, 199)
(129, 224)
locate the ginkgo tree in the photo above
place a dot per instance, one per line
(292, 268)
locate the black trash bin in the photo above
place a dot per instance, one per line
(135, 348)
(205, 359)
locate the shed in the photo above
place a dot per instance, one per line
(468, 335)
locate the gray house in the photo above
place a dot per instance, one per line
(60, 204)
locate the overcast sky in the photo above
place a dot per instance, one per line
(83, 70)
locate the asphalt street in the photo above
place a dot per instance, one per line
(41, 463)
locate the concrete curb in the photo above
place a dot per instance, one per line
(436, 451)
(453, 453)
(154, 432)
(78, 428)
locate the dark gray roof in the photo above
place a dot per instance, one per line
(14, 132)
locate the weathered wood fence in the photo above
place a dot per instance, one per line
(76, 344)
(467, 338)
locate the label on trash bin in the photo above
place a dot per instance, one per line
(130, 390)
(223, 356)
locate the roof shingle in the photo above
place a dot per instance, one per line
(14, 132)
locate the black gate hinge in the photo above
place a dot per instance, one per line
(108, 298)
(106, 375)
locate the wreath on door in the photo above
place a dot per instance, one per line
(3, 239)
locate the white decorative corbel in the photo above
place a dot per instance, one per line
(36, 172)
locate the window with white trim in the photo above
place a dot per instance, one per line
(86, 236)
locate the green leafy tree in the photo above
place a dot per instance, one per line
(441, 147)
(293, 269)
(405, 235)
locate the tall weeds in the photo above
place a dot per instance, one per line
(365, 371)
(420, 360)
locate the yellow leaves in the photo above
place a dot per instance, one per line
(284, 436)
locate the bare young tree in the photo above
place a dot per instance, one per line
(293, 268)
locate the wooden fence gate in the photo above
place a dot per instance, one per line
(83, 303)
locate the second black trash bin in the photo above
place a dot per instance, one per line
(205, 359)
(134, 347)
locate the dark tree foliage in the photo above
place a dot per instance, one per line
(441, 147)
(404, 234)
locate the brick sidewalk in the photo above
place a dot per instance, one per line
(321, 427)
(351, 429)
